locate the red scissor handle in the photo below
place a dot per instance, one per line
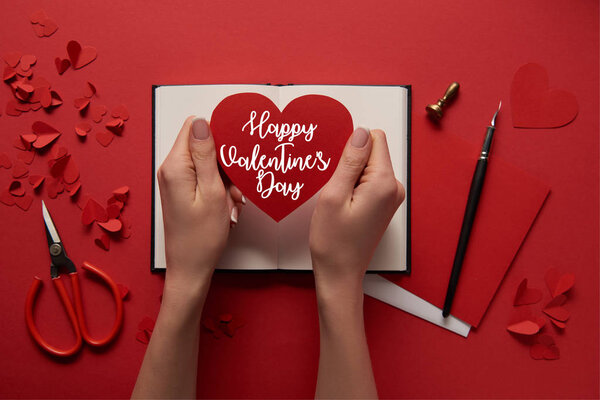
(62, 293)
(79, 306)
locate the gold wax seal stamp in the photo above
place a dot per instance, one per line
(435, 110)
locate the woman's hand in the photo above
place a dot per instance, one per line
(198, 208)
(352, 213)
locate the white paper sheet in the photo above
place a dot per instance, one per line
(381, 289)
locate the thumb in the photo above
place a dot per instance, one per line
(351, 165)
(204, 156)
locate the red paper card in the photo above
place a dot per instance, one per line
(509, 203)
(279, 159)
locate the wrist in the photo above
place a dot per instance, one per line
(186, 290)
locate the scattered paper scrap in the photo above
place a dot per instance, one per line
(36, 181)
(80, 56)
(555, 310)
(5, 161)
(145, 329)
(62, 64)
(82, 129)
(535, 104)
(43, 26)
(103, 241)
(526, 295)
(526, 327)
(544, 348)
(559, 283)
(124, 290)
(223, 324)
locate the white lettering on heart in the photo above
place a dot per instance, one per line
(284, 162)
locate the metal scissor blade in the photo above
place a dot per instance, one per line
(50, 228)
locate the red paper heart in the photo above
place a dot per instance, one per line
(36, 181)
(526, 295)
(24, 202)
(12, 58)
(49, 27)
(558, 283)
(535, 105)
(326, 125)
(81, 103)
(5, 161)
(89, 90)
(104, 137)
(103, 241)
(80, 56)
(524, 327)
(555, 310)
(62, 64)
(97, 112)
(112, 225)
(82, 129)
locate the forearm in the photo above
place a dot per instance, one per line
(170, 365)
(344, 363)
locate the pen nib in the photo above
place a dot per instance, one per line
(496, 114)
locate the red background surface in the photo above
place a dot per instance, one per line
(427, 44)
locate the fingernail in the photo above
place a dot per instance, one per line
(243, 200)
(200, 129)
(234, 215)
(360, 137)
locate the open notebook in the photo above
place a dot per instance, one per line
(258, 242)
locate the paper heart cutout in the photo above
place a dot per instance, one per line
(104, 137)
(112, 225)
(103, 241)
(97, 112)
(82, 129)
(80, 56)
(81, 103)
(526, 295)
(24, 202)
(321, 126)
(558, 283)
(12, 58)
(535, 105)
(5, 161)
(93, 211)
(555, 310)
(36, 181)
(62, 64)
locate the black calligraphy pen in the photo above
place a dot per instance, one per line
(472, 201)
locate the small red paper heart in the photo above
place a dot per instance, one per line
(121, 193)
(555, 310)
(62, 64)
(81, 103)
(82, 129)
(6, 198)
(9, 73)
(120, 111)
(112, 225)
(20, 169)
(559, 283)
(11, 109)
(27, 61)
(54, 187)
(72, 191)
(535, 105)
(97, 112)
(558, 324)
(146, 324)
(123, 290)
(321, 127)
(39, 30)
(89, 90)
(49, 27)
(56, 100)
(103, 241)
(524, 327)
(26, 156)
(104, 137)
(113, 211)
(71, 171)
(24, 202)
(36, 181)
(38, 16)
(526, 295)
(141, 336)
(93, 211)
(12, 58)
(16, 189)
(115, 125)
(80, 56)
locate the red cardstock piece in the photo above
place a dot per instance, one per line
(555, 310)
(225, 317)
(50, 27)
(27, 61)
(558, 283)
(46, 134)
(11, 109)
(56, 100)
(113, 211)
(80, 56)
(544, 349)
(39, 30)
(558, 324)
(526, 295)
(72, 191)
(535, 105)
(9, 73)
(71, 171)
(121, 193)
(54, 187)
(62, 64)
(115, 125)
(240, 125)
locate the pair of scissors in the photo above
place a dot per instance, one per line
(60, 260)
